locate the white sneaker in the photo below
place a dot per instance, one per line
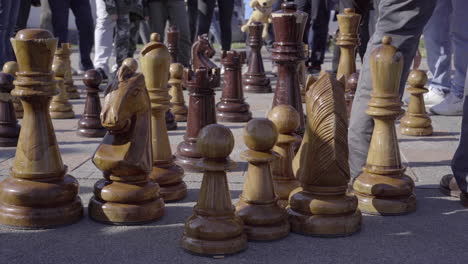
(450, 106)
(431, 98)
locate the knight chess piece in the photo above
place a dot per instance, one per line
(60, 107)
(155, 60)
(179, 109)
(383, 188)
(416, 122)
(131, 63)
(322, 206)
(255, 79)
(11, 67)
(213, 228)
(263, 218)
(126, 195)
(202, 51)
(287, 53)
(286, 120)
(310, 79)
(172, 42)
(9, 128)
(90, 124)
(38, 193)
(63, 54)
(351, 87)
(232, 106)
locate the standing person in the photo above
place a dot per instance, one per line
(84, 22)
(205, 15)
(8, 16)
(103, 39)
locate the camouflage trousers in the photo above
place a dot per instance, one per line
(125, 37)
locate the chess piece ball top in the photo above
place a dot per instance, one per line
(260, 134)
(155, 37)
(285, 118)
(131, 63)
(417, 78)
(10, 67)
(176, 70)
(92, 78)
(215, 141)
(33, 33)
(387, 40)
(6, 82)
(59, 68)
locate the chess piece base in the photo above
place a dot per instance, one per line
(180, 118)
(412, 124)
(386, 205)
(73, 94)
(8, 142)
(62, 115)
(233, 117)
(169, 177)
(91, 132)
(283, 188)
(411, 131)
(448, 186)
(214, 247)
(175, 192)
(256, 84)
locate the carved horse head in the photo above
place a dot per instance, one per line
(202, 51)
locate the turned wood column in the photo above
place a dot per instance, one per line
(255, 79)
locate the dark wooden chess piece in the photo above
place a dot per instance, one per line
(286, 120)
(173, 42)
(178, 108)
(155, 60)
(11, 67)
(383, 188)
(90, 124)
(255, 79)
(63, 54)
(39, 193)
(9, 128)
(60, 107)
(126, 195)
(449, 186)
(416, 122)
(287, 52)
(202, 51)
(232, 107)
(351, 87)
(214, 229)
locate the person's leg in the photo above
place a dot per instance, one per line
(46, 16)
(404, 21)
(10, 30)
(23, 15)
(60, 10)
(5, 6)
(144, 31)
(205, 14)
(134, 28)
(178, 17)
(192, 10)
(158, 14)
(84, 23)
(122, 38)
(103, 35)
(226, 7)
(459, 33)
(319, 38)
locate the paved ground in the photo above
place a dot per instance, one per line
(435, 233)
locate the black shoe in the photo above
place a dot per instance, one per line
(103, 74)
(314, 70)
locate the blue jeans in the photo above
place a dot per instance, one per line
(446, 34)
(8, 16)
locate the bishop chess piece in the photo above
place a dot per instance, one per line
(264, 219)
(383, 188)
(286, 120)
(232, 107)
(287, 53)
(126, 195)
(255, 79)
(179, 109)
(63, 54)
(322, 206)
(416, 122)
(60, 107)
(155, 60)
(11, 67)
(9, 128)
(90, 124)
(38, 193)
(351, 87)
(202, 52)
(214, 229)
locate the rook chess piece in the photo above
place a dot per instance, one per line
(63, 54)
(90, 124)
(202, 51)
(59, 107)
(11, 67)
(255, 79)
(383, 188)
(38, 193)
(179, 109)
(214, 229)
(9, 128)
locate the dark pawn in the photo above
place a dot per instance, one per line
(255, 79)
(9, 128)
(90, 124)
(232, 107)
(171, 123)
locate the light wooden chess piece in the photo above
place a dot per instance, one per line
(214, 229)
(286, 120)
(416, 122)
(126, 195)
(179, 109)
(39, 193)
(131, 63)
(310, 79)
(60, 107)
(9, 128)
(11, 67)
(63, 54)
(383, 188)
(321, 206)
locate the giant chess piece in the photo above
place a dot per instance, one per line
(310, 79)
(232, 107)
(347, 40)
(264, 219)
(286, 120)
(255, 79)
(63, 54)
(11, 67)
(9, 128)
(351, 86)
(179, 109)
(155, 60)
(38, 193)
(321, 206)
(131, 63)
(173, 42)
(214, 229)
(60, 107)
(287, 52)
(202, 51)
(416, 122)
(90, 123)
(383, 188)
(126, 195)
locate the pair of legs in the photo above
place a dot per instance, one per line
(205, 16)
(8, 16)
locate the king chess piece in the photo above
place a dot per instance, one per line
(155, 60)
(60, 107)
(11, 67)
(126, 195)
(63, 54)
(9, 128)
(90, 124)
(383, 188)
(202, 51)
(255, 79)
(232, 106)
(179, 109)
(38, 193)
(213, 228)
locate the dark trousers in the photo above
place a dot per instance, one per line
(205, 14)
(8, 15)
(460, 158)
(84, 22)
(192, 10)
(23, 15)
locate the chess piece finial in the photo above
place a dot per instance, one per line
(213, 228)
(9, 128)
(202, 52)
(179, 109)
(131, 63)
(38, 193)
(416, 122)
(11, 67)
(383, 188)
(286, 120)
(63, 54)
(155, 60)
(155, 37)
(60, 107)
(90, 123)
